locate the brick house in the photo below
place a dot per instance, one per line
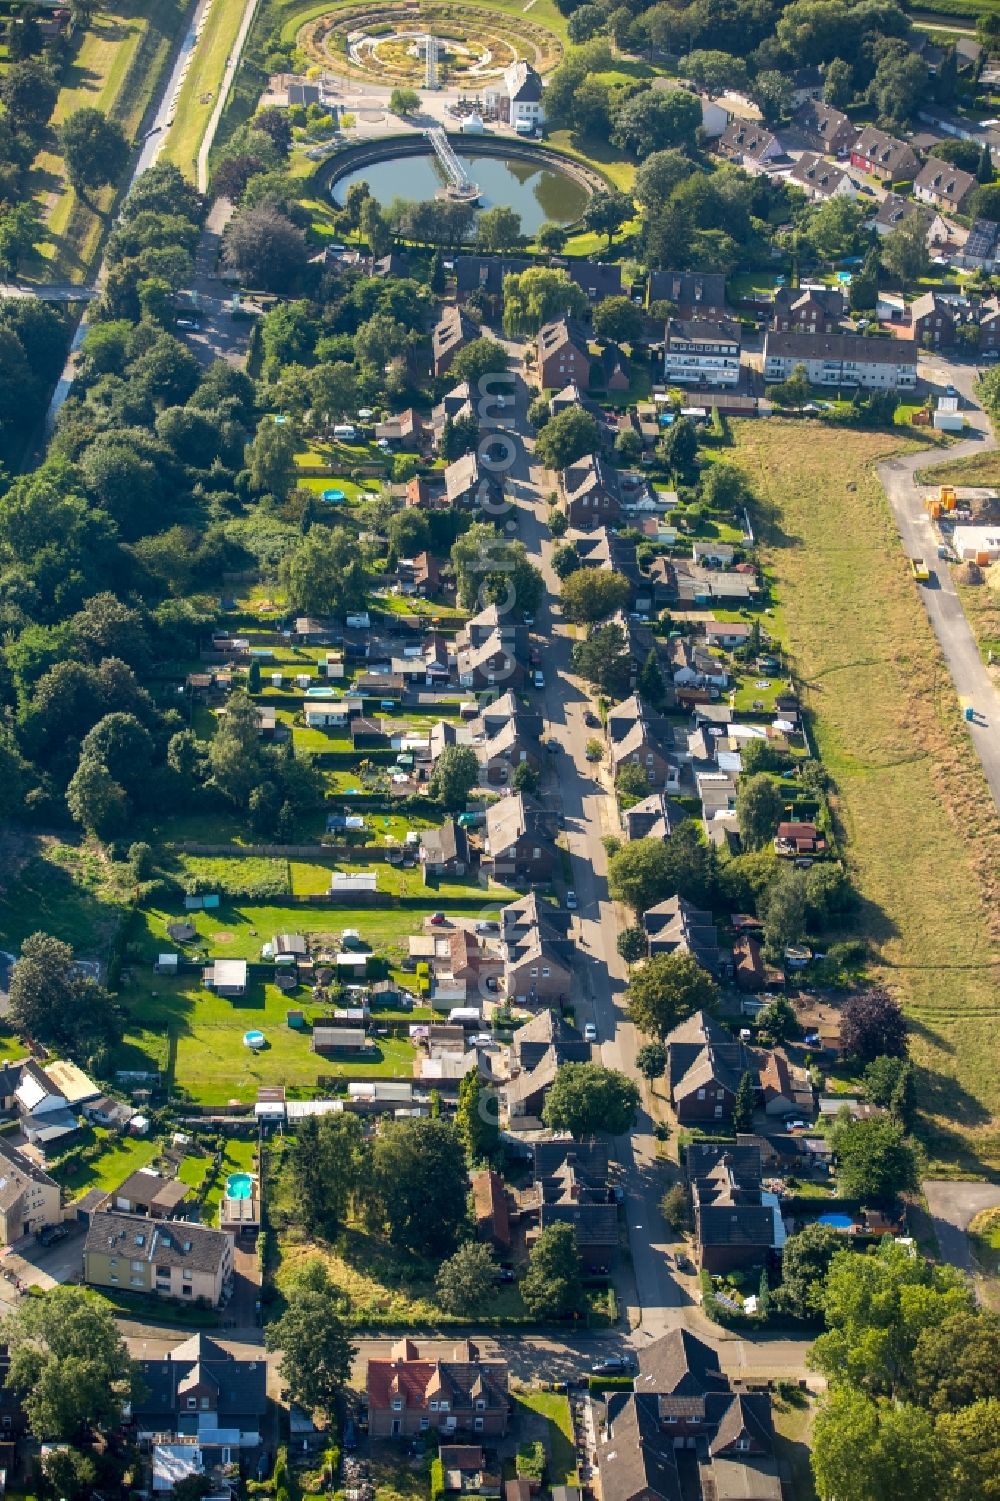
(704, 1066)
(408, 1394)
(520, 839)
(883, 156)
(451, 333)
(562, 355)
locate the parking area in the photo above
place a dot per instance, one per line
(35, 1265)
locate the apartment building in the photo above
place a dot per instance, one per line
(701, 352)
(842, 360)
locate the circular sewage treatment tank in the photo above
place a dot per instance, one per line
(538, 191)
(239, 1186)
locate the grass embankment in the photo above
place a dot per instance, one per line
(119, 59)
(921, 832)
(200, 93)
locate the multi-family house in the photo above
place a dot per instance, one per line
(503, 743)
(737, 1223)
(169, 1259)
(748, 144)
(704, 1066)
(591, 493)
(562, 353)
(490, 664)
(814, 310)
(492, 621)
(694, 294)
(468, 484)
(29, 1198)
(884, 156)
(200, 1394)
(820, 179)
(453, 404)
(943, 186)
(701, 352)
(520, 839)
(453, 330)
(842, 360)
(826, 129)
(638, 737)
(686, 1432)
(677, 925)
(484, 274)
(409, 1394)
(571, 1188)
(655, 817)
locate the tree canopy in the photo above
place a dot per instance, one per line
(316, 1351)
(586, 1098)
(666, 990)
(68, 1363)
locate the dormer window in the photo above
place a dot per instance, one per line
(444, 1405)
(192, 1403)
(480, 1405)
(397, 1404)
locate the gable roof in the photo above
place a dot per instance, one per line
(680, 1364)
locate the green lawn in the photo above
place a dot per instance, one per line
(121, 1156)
(60, 890)
(554, 1408)
(237, 1157)
(200, 91)
(597, 154)
(920, 833)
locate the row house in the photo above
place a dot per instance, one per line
(686, 1431)
(562, 354)
(591, 493)
(605, 549)
(884, 156)
(492, 664)
(492, 621)
(820, 179)
(701, 352)
(409, 1394)
(503, 743)
(570, 1187)
(468, 484)
(550, 1042)
(705, 1064)
(536, 950)
(694, 294)
(737, 1223)
(813, 310)
(520, 839)
(638, 737)
(453, 330)
(842, 360)
(748, 144)
(827, 130)
(676, 925)
(943, 186)
(454, 404)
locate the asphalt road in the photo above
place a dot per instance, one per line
(952, 1205)
(973, 684)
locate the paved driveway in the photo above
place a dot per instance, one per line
(952, 1206)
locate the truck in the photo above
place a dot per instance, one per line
(920, 570)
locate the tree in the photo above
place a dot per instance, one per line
(903, 251)
(552, 238)
(525, 778)
(617, 318)
(94, 148)
(651, 1060)
(477, 1119)
(760, 802)
(833, 227)
(899, 84)
(777, 1022)
(374, 227)
(889, 1082)
(680, 446)
(793, 392)
(667, 990)
(404, 102)
(490, 570)
(838, 83)
(772, 93)
(872, 1025)
(964, 154)
(631, 944)
(565, 558)
(653, 119)
(498, 230)
(590, 594)
(28, 92)
(986, 202)
(606, 212)
(984, 167)
(650, 684)
(552, 1286)
(536, 296)
(96, 801)
(587, 1097)
(804, 1264)
(783, 911)
(68, 1363)
(567, 437)
(333, 390)
(270, 459)
(956, 1362)
(969, 1443)
(327, 1165)
(628, 446)
(659, 175)
(419, 1185)
(323, 574)
(456, 772)
(863, 1451)
(743, 1104)
(53, 1003)
(316, 1352)
(21, 228)
(602, 660)
(632, 781)
(584, 22)
(676, 1209)
(714, 72)
(71, 1474)
(466, 1282)
(876, 1163)
(265, 247)
(876, 1307)
(639, 874)
(479, 357)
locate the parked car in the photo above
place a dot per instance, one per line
(591, 720)
(590, 1033)
(683, 1262)
(487, 927)
(50, 1234)
(612, 1365)
(437, 918)
(539, 679)
(571, 901)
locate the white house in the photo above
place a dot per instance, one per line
(699, 351)
(842, 360)
(517, 98)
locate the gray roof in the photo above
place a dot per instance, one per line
(679, 1364)
(240, 1385)
(18, 1173)
(856, 347)
(193, 1247)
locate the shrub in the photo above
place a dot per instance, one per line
(530, 1463)
(437, 1479)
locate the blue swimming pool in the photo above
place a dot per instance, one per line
(334, 495)
(253, 1039)
(239, 1186)
(838, 1221)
